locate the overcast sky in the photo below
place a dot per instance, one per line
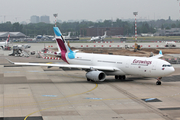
(22, 10)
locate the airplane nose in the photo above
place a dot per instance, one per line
(171, 70)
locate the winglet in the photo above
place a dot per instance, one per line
(9, 61)
(159, 55)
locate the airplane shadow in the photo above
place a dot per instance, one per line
(129, 79)
(81, 80)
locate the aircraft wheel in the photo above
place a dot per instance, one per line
(158, 83)
(120, 77)
(123, 77)
(88, 79)
(116, 77)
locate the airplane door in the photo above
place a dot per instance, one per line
(154, 66)
(127, 64)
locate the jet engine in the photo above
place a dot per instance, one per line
(96, 75)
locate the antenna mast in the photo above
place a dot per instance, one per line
(55, 15)
(135, 13)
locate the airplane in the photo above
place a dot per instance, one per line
(4, 44)
(99, 37)
(98, 66)
(68, 36)
(65, 37)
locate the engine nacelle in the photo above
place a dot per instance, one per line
(96, 75)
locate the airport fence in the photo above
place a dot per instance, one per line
(173, 60)
(114, 45)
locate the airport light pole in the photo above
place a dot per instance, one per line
(135, 13)
(179, 4)
(55, 15)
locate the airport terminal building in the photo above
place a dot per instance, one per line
(13, 35)
(168, 32)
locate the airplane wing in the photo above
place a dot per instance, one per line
(66, 66)
(158, 56)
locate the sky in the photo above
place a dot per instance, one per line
(92, 10)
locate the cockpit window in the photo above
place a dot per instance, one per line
(166, 65)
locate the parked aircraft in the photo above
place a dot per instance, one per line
(68, 36)
(4, 44)
(99, 37)
(65, 37)
(25, 46)
(98, 66)
(146, 35)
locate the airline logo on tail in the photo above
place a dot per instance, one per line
(62, 45)
(8, 39)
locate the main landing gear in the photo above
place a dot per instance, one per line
(120, 77)
(88, 79)
(158, 81)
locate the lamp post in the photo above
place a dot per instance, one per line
(135, 13)
(179, 4)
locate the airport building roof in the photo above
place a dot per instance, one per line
(12, 35)
(169, 32)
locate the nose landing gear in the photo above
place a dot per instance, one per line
(158, 81)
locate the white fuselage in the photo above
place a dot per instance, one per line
(127, 65)
(3, 44)
(95, 38)
(98, 37)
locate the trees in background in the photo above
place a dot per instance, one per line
(75, 27)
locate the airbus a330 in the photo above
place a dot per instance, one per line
(98, 66)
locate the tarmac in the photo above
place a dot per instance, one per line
(41, 93)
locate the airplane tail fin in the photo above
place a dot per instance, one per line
(69, 33)
(66, 52)
(105, 34)
(7, 41)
